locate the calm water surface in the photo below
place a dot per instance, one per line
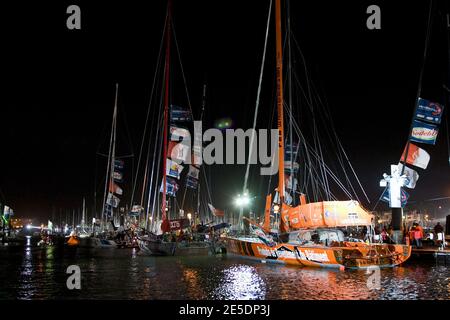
(40, 273)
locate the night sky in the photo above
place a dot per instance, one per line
(57, 92)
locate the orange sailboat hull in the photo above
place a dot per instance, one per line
(346, 255)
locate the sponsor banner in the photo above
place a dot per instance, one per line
(287, 182)
(108, 210)
(118, 176)
(191, 182)
(114, 188)
(178, 224)
(404, 197)
(118, 164)
(424, 132)
(112, 200)
(429, 111)
(197, 156)
(193, 172)
(416, 156)
(178, 151)
(171, 187)
(177, 134)
(411, 175)
(197, 149)
(173, 169)
(287, 166)
(216, 212)
(179, 114)
(287, 148)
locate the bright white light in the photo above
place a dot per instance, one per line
(242, 200)
(189, 216)
(29, 226)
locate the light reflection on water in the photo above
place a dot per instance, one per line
(241, 282)
(40, 273)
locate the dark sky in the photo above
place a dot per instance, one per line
(57, 90)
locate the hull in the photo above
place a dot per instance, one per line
(90, 242)
(157, 248)
(161, 248)
(347, 255)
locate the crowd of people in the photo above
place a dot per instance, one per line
(415, 234)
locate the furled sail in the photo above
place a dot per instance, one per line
(326, 214)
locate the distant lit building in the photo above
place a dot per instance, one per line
(19, 223)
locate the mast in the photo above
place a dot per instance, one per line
(280, 121)
(166, 108)
(291, 157)
(111, 156)
(83, 218)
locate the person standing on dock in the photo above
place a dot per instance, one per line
(439, 231)
(418, 235)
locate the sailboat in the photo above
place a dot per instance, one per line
(309, 234)
(106, 238)
(161, 240)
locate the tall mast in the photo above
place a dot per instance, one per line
(291, 157)
(83, 218)
(280, 121)
(110, 166)
(113, 151)
(166, 107)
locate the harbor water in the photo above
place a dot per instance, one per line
(40, 273)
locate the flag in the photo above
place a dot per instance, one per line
(177, 134)
(416, 156)
(429, 111)
(288, 182)
(178, 151)
(173, 169)
(118, 164)
(193, 172)
(191, 182)
(197, 157)
(216, 212)
(404, 197)
(424, 132)
(117, 176)
(136, 210)
(411, 175)
(114, 188)
(171, 187)
(179, 114)
(287, 198)
(287, 166)
(178, 224)
(112, 200)
(287, 148)
(108, 210)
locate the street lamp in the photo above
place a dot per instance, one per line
(242, 201)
